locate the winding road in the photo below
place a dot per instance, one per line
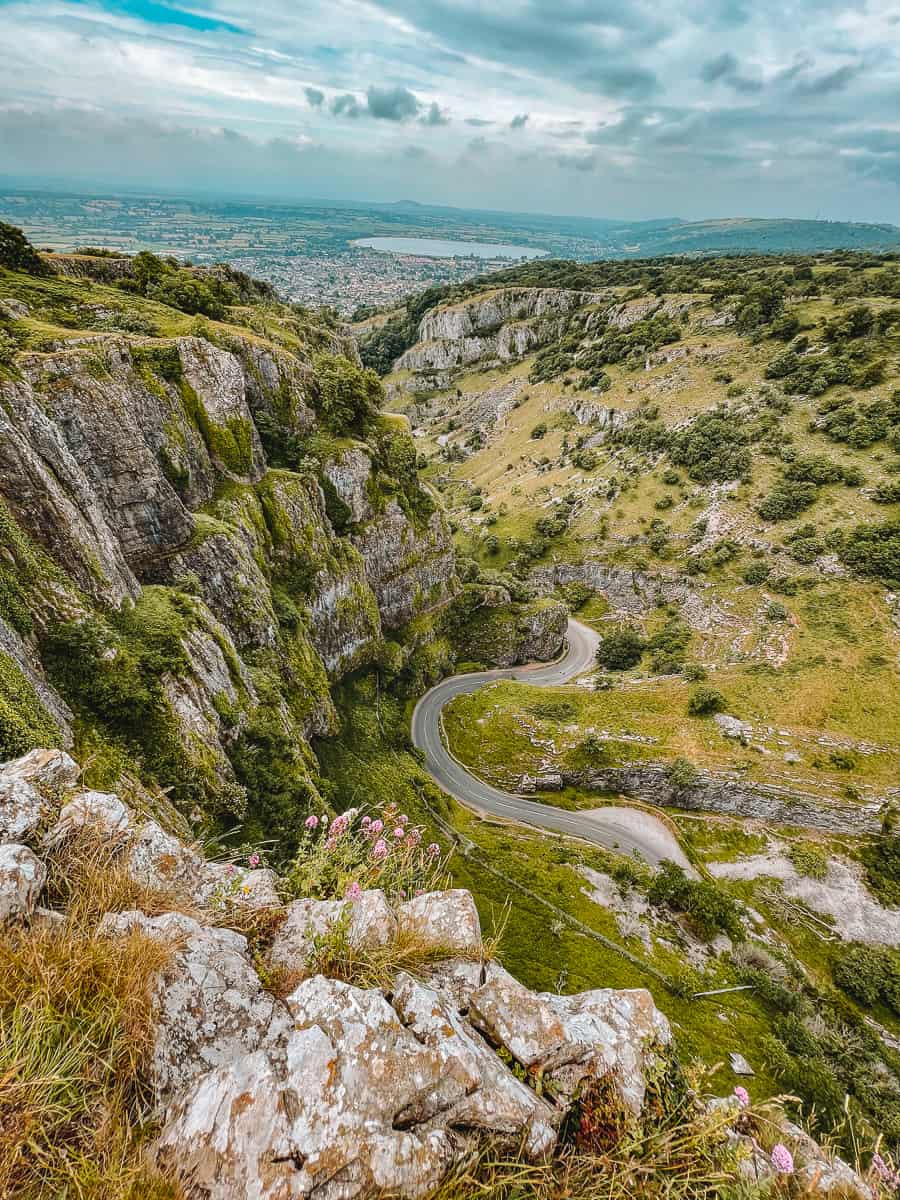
(624, 829)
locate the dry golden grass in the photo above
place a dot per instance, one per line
(75, 1031)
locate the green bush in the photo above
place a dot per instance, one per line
(18, 254)
(538, 432)
(870, 974)
(713, 447)
(704, 701)
(344, 395)
(873, 550)
(621, 648)
(757, 571)
(787, 499)
(709, 909)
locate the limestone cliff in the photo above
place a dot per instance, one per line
(201, 532)
(495, 326)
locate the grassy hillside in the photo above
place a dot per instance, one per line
(724, 438)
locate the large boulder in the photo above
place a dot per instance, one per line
(22, 875)
(30, 788)
(367, 921)
(495, 1101)
(592, 1035)
(446, 921)
(209, 1005)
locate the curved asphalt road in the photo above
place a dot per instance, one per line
(625, 829)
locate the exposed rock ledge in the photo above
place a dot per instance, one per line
(727, 794)
(337, 1092)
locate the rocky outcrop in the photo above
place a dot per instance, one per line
(331, 1089)
(499, 632)
(731, 795)
(636, 592)
(501, 326)
(132, 462)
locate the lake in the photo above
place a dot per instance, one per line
(439, 248)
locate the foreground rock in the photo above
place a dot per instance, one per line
(336, 1091)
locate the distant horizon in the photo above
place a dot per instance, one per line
(110, 190)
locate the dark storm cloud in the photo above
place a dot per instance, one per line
(314, 97)
(519, 121)
(585, 42)
(392, 104)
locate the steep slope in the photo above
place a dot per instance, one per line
(205, 524)
(703, 461)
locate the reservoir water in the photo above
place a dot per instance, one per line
(441, 248)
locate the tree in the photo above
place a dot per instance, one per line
(345, 396)
(18, 254)
(621, 648)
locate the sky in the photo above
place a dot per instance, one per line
(606, 108)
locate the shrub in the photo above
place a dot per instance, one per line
(682, 775)
(870, 974)
(538, 431)
(621, 648)
(787, 499)
(882, 863)
(713, 448)
(709, 909)
(776, 612)
(809, 860)
(344, 395)
(757, 571)
(873, 550)
(704, 701)
(18, 254)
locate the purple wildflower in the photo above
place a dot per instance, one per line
(380, 849)
(743, 1096)
(376, 827)
(398, 832)
(433, 850)
(253, 860)
(230, 870)
(354, 891)
(312, 821)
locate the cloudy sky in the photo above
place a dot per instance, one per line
(619, 108)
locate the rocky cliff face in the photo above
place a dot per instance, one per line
(496, 326)
(191, 553)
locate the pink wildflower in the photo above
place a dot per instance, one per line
(230, 870)
(398, 832)
(419, 892)
(414, 837)
(884, 1172)
(433, 850)
(782, 1159)
(253, 860)
(376, 827)
(338, 825)
(743, 1096)
(366, 822)
(403, 819)
(380, 849)
(354, 891)
(312, 821)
